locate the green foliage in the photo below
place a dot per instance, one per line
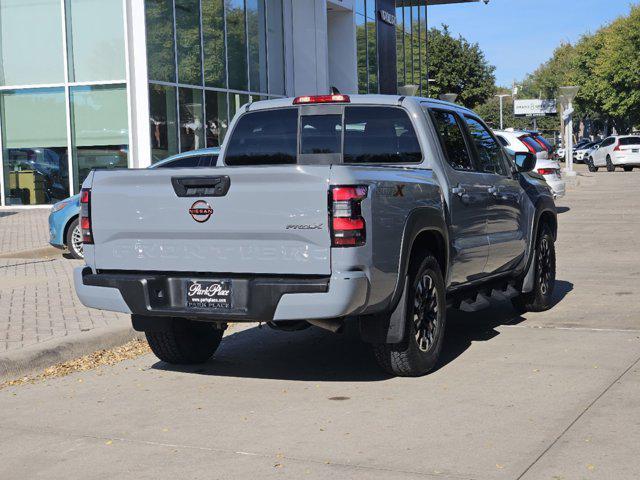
(457, 66)
(606, 67)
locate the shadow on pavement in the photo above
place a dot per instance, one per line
(562, 209)
(317, 355)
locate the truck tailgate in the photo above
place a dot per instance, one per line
(271, 220)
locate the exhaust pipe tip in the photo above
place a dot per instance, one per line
(332, 325)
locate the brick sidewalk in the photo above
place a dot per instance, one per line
(38, 303)
(23, 229)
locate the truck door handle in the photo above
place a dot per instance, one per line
(201, 186)
(493, 191)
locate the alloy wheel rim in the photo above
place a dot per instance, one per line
(76, 241)
(544, 270)
(425, 313)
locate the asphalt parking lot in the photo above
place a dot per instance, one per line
(553, 395)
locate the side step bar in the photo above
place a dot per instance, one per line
(480, 300)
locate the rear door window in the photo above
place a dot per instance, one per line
(268, 137)
(490, 157)
(379, 135)
(630, 141)
(452, 140)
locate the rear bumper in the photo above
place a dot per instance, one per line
(255, 299)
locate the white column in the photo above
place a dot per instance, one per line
(138, 85)
(310, 47)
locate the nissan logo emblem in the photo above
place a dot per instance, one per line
(201, 211)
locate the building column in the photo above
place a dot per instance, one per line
(137, 85)
(387, 62)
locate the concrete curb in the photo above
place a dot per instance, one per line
(35, 358)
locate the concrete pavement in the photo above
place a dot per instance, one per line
(553, 395)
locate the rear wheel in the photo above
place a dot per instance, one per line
(540, 298)
(74, 240)
(424, 323)
(184, 342)
(610, 166)
(628, 169)
(592, 167)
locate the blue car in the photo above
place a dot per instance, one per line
(64, 222)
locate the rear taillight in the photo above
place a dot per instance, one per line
(85, 216)
(348, 228)
(547, 171)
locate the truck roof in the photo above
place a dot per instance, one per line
(369, 99)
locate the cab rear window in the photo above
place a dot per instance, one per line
(380, 135)
(269, 137)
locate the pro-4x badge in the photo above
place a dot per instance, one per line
(201, 211)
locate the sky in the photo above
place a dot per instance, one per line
(518, 35)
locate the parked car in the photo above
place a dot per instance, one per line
(522, 142)
(581, 154)
(301, 224)
(616, 151)
(64, 223)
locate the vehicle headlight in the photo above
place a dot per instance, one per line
(59, 206)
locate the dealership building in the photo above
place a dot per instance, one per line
(124, 83)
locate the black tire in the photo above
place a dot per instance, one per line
(610, 166)
(75, 248)
(628, 169)
(592, 167)
(418, 354)
(540, 298)
(185, 342)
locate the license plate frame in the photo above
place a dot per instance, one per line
(208, 295)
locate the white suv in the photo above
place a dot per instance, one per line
(617, 151)
(522, 142)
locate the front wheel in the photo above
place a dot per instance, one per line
(540, 298)
(592, 167)
(74, 240)
(184, 342)
(424, 323)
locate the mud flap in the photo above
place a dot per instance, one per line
(529, 278)
(385, 327)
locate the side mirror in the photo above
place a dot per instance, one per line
(525, 161)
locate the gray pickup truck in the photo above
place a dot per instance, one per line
(385, 210)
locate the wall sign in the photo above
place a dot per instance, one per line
(388, 18)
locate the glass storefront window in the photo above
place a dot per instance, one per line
(361, 42)
(191, 119)
(256, 29)
(31, 42)
(217, 123)
(371, 9)
(36, 165)
(275, 46)
(188, 41)
(99, 126)
(400, 57)
(372, 56)
(96, 48)
(213, 36)
(360, 7)
(163, 122)
(236, 44)
(235, 102)
(160, 40)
